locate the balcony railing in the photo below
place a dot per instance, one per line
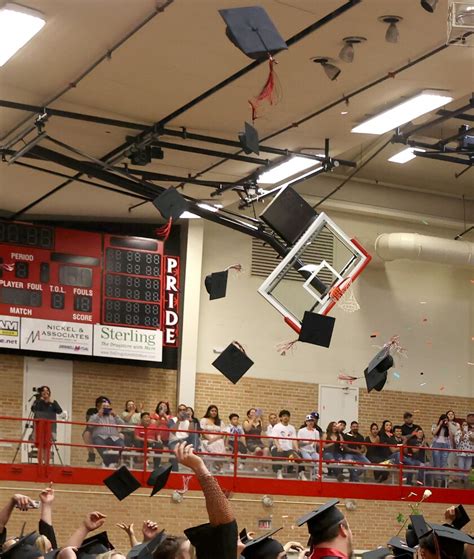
(36, 455)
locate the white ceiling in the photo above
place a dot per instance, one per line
(184, 51)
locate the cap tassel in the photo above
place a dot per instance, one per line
(284, 347)
(164, 231)
(268, 92)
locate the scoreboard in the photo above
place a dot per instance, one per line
(64, 286)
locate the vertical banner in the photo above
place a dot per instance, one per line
(171, 297)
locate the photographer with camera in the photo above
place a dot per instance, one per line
(441, 443)
(44, 407)
(107, 432)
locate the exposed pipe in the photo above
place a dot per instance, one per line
(413, 246)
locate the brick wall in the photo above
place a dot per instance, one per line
(372, 523)
(11, 383)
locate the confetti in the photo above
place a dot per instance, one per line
(425, 320)
(423, 384)
(422, 302)
(374, 334)
(441, 388)
(396, 375)
(469, 363)
(422, 373)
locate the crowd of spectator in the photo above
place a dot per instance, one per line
(283, 448)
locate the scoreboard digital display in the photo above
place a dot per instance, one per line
(51, 276)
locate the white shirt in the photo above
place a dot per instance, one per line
(285, 431)
(305, 433)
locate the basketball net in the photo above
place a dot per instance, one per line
(343, 296)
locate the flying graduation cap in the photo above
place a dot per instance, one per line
(122, 483)
(317, 329)
(249, 139)
(216, 284)
(263, 546)
(159, 478)
(376, 372)
(461, 519)
(233, 362)
(252, 31)
(170, 204)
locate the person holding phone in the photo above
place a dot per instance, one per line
(441, 443)
(107, 433)
(44, 407)
(253, 429)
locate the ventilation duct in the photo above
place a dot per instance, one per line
(412, 246)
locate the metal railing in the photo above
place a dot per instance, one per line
(400, 467)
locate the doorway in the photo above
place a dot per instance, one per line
(338, 402)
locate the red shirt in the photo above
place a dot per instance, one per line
(320, 552)
(152, 432)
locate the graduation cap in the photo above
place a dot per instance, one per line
(149, 548)
(214, 541)
(376, 372)
(321, 519)
(462, 518)
(158, 478)
(379, 553)
(263, 546)
(170, 204)
(23, 548)
(252, 31)
(96, 544)
(216, 284)
(401, 549)
(122, 483)
(249, 139)
(233, 362)
(316, 329)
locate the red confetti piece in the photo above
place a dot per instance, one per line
(425, 320)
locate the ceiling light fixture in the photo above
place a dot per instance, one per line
(392, 35)
(288, 168)
(18, 25)
(420, 104)
(405, 155)
(429, 5)
(347, 52)
(330, 69)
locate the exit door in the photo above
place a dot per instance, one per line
(338, 402)
(57, 374)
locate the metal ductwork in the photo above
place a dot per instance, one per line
(412, 246)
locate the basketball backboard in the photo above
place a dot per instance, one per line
(340, 262)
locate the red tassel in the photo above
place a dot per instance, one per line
(268, 92)
(164, 231)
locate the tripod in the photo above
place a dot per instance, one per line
(30, 425)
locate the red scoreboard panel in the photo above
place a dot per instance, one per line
(50, 273)
(65, 275)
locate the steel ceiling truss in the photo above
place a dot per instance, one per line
(461, 153)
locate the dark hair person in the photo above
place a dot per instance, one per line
(441, 442)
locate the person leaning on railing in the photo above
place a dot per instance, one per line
(107, 432)
(464, 440)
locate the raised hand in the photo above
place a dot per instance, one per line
(47, 495)
(94, 520)
(127, 528)
(67, 553)
(185, 455)
(22, 502)
(149, 530)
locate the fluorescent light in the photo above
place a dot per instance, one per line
(189, 215)
(18, 25)
(405, 155)
(209, 207)
(287, 169)
(421, 104)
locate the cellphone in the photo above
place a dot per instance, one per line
(107, 411)
(259, 412)
(32, 505)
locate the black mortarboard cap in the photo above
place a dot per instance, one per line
(317, 329)
(252, 31)
(170, 203)
(122, 483)
(379, 553)
(263, 547)
(401, 549)
(216, 284)
(24, 548)
(243, 536)
(96, 544)
(321, 519)
(249, 139)
(376, 372)
(233, 363)
(214, 541)
(462, 518)
(150, 547)
(158, 478)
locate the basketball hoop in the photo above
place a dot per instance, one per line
(343, 296)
